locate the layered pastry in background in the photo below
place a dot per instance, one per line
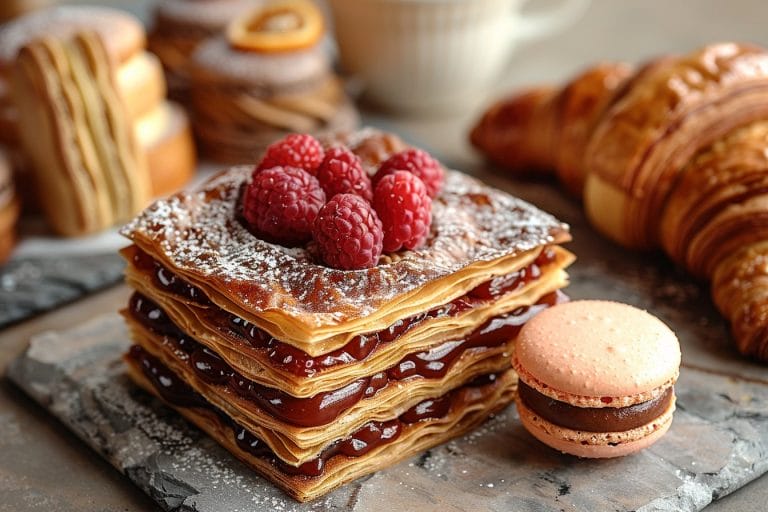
(161, 127)
(179, 26)
(270, 75)
(88, 169)
(9, 209)
(669, 155)
(315, 376)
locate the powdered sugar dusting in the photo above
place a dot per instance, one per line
(216, 58)
(199, 235)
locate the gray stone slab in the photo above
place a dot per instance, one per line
(717, 443)
(30, 286)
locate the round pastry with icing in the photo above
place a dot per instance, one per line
(269, 76)
(596, 378)
(179, 26)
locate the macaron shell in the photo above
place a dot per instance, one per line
(594, 445)
(598, 349)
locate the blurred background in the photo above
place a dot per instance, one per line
(57, 472)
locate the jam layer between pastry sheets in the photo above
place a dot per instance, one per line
(374, 447)
(258, 356)
(297, 429)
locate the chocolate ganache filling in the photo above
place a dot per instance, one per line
(300, 363)
(594, 419)
(371, 435)
(324, 407)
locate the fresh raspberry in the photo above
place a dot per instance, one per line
(281, 204)
(348, 233)
(344, 154)
(418, 162)
(405, 210)
(295, 150)
(342, 173)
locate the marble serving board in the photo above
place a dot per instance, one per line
(717, 443)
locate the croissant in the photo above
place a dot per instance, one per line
(670, 155)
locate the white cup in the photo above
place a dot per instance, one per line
(421, 56)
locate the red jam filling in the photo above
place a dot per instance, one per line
(325, 407)
(372, 435)
(299, 362)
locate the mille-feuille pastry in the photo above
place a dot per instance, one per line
(9, 209)
(668, 155)
(122, 34)
(123, 37)
(267, 77)
(139, 80)
(88, 168)
(180, 26)
(314, 375)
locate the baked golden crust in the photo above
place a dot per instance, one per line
(740, 291)
(141, 84)
(236, 126)
(663, 120)
(9, 215)
(717, 204)
(243, 101)
(166, 137)
(517, 132)
(547, 129)
(675, 159)
(121, 32)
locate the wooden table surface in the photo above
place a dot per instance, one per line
(43, 467)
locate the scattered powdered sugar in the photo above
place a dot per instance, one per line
(199, 235)
(493, 424)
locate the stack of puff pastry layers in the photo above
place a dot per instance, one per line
(315, 376)
(161, 127)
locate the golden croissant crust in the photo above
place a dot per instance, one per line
(673, 154)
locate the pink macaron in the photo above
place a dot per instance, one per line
(596, 378)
